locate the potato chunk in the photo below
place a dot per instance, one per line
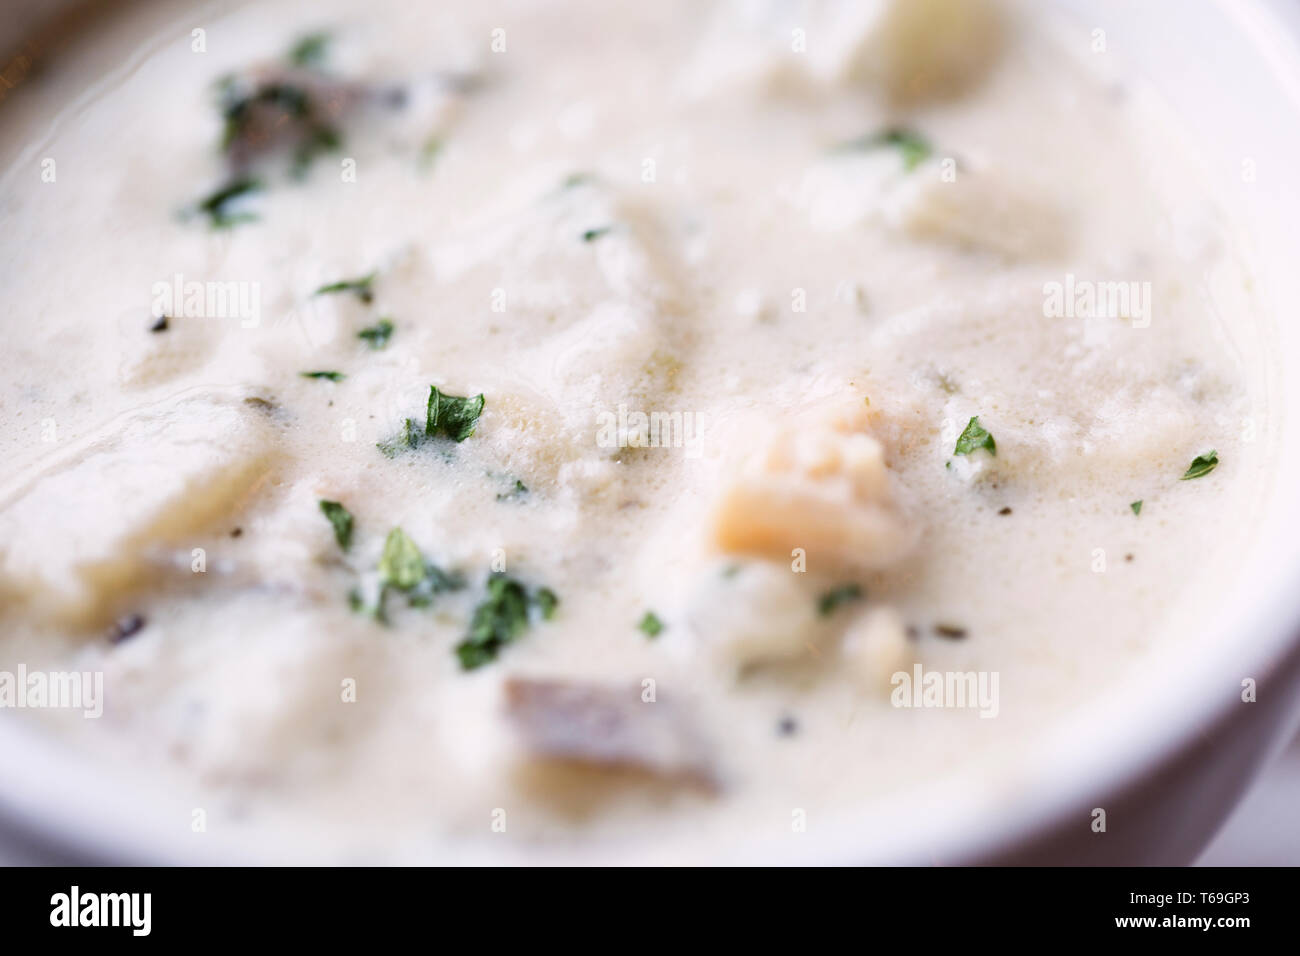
(74, 536)
(979, 210)
(916, 48)
(821, 486)
(907, 50)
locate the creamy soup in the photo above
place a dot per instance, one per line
(440, 431)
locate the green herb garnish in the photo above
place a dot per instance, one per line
(408, 438)
(500, 618)
(401, 565)
(1137, 507)
(650, 625)
(447, 416)
(215, 206)
(310, 49)
(327, 375)
(240, 109)
(430, 150)
(341, 519)
(318, 138)
(377, 335)
(1202, 465)
(257, 119)
(913, 148)
(973, 438)
(546, 602)
(434, 582)
(361, 288)
(517, 491)
(591, 235)
(833, 598)
(402, 568)
(451, 416)
(369, 601)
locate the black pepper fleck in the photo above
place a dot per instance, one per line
(125, 627)
(1005, 511)
(160, 324)
(950, 631)
(787, 726)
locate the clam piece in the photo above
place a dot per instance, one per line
(282, 109)
(609, 726)
(982, 210)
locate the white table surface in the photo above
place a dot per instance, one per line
(1265, 829)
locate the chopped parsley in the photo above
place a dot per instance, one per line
(408, 438)
(446, 416)
(373, 608)
(1202, 465)
(650, 624)
(318, 139)
(973, 438)
(591, 235)
(341, 519)
(239, 108)
(327, 375)
(451, 416)
(310, 50)
(832, 599)
(1137, 507)
(519, 490)
(377, 335)
(547, 602)
(574, 180)
(216, 205)
(500, 618)
(913, 148)
(434, 582)
(256, 119)
(401, 566)
(430, 150)
(361, 288)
